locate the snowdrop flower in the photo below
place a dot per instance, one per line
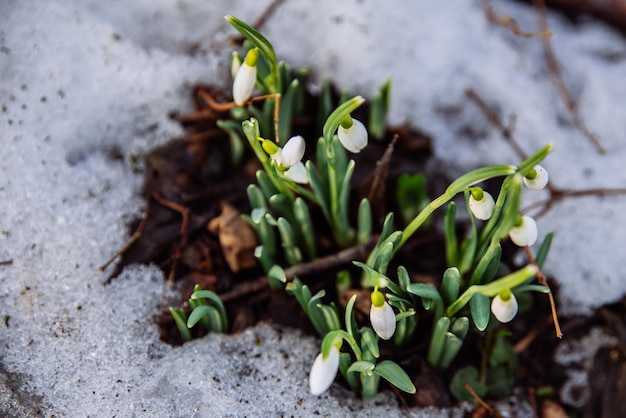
(524, 233)
(352, 135)
(297, 173)
(245, 78)
(382, 317)
(293, 151)
(324, 371)
(481, 203)
(504, 306)
(536, 179)
(235, 63)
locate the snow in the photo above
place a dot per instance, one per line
(86, 86)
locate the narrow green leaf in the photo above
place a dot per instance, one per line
(438, 340)
(543, 251)
(181, 323)
(450, 285)
(351, 325)
(305, 225)
(383, 256)
(361, 366)
(480, 308)
(452, 346)
(198, 313)
(213, 297)
(394, 374)
(378, 111)
(449, 228)
(364, 223)
(460, 327)
(370, 342)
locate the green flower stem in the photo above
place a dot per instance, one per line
(332, 339)
(459, 185)
(527, 166)
(492, 289)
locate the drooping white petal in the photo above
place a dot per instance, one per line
(293, 151)
(244, 83)
(482, 209)
(324, 371)
(298, 173)
(354, 139)
(383, 320)
(504, 310)
(540, 181)
(525, 234)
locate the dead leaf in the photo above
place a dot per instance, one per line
(236, 237)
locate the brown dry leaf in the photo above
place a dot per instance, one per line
(551, 409)
(236, 237)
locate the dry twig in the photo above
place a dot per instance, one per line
(509, 23)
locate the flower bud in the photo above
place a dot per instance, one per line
(382, 317)
(504, 307)
(481, 204)
(245, 78)
(352, 135)
(524, 234)
(537, 178)
(324, 371)
(235, 63)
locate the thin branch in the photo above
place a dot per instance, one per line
(480, 400)
(358, 252)
(492, 117)
(557, 78)
(6, 262)
(542, 280)
(509, 23)
(136, 235)
(184, 211)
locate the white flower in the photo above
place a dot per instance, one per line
(293, 151)
(354, 138)
(382, 317)
(245, 78)
(504, 310)
(324, 371)
(539, 180)
(525, 234)
(483, 208)
(298, 173)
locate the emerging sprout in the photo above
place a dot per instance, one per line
(481, 203)
(352, 135)
(324, 371)
(524, 233)
(245, 78)
(382, 317)
(537, 178)
(504, 306)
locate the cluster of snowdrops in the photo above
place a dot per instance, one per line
(474, 288)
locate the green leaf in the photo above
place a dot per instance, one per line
(449, 228)
(181, 323)
(459, 327)
(480, 308)
(276, 276)
(525, 167)
(213, 297)
(383, 256)
(345, 361)
(452, 346)
(394, 374)
(450, 285)
(379, 110)
(305, 225)
(364, 223)
(543, 251)
(370, 342)
(467, 375)
(361, 366)
(197, 314)
(426, 291)
(286, 110)
(438, 341)
(351, 325)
